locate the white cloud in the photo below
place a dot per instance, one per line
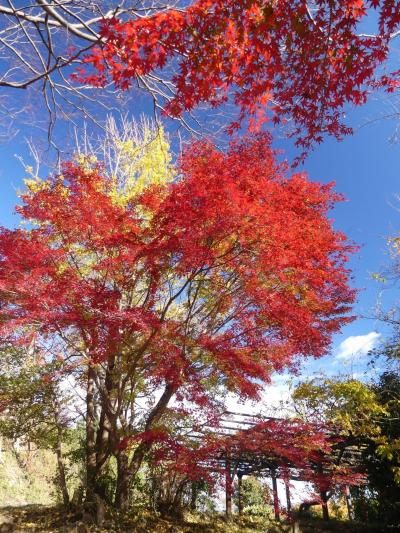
(357, 346)
(270, 402)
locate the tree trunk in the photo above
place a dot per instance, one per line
(127, 471)
(91, 462)
(62, 478)
(124, 479)
(61, 468)
(193, 496)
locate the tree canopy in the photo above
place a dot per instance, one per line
(206, 283)
(163, 285)
(299, 62)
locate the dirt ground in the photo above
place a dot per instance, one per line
(51, 519)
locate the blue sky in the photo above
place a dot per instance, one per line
(366, 169)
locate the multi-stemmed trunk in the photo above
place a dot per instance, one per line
(102, 439)
(127, 469)
(100, 435)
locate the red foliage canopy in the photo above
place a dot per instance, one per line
(224, 276)
(296, 446)
(287, 448)
(302, 61)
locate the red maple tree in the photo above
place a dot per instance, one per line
(210, 283)
(296, 60)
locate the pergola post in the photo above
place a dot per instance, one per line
(349, 503)
(276, 499)
(325, 511)
(240, 495)
(228, 489)
(288, 502)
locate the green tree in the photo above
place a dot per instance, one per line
(255, 496)
(368, 416)
(34, 406)
(350, 404)
(381, 458)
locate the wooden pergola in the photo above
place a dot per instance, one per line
(262, 465)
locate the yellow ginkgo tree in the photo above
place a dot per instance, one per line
(135, 155)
